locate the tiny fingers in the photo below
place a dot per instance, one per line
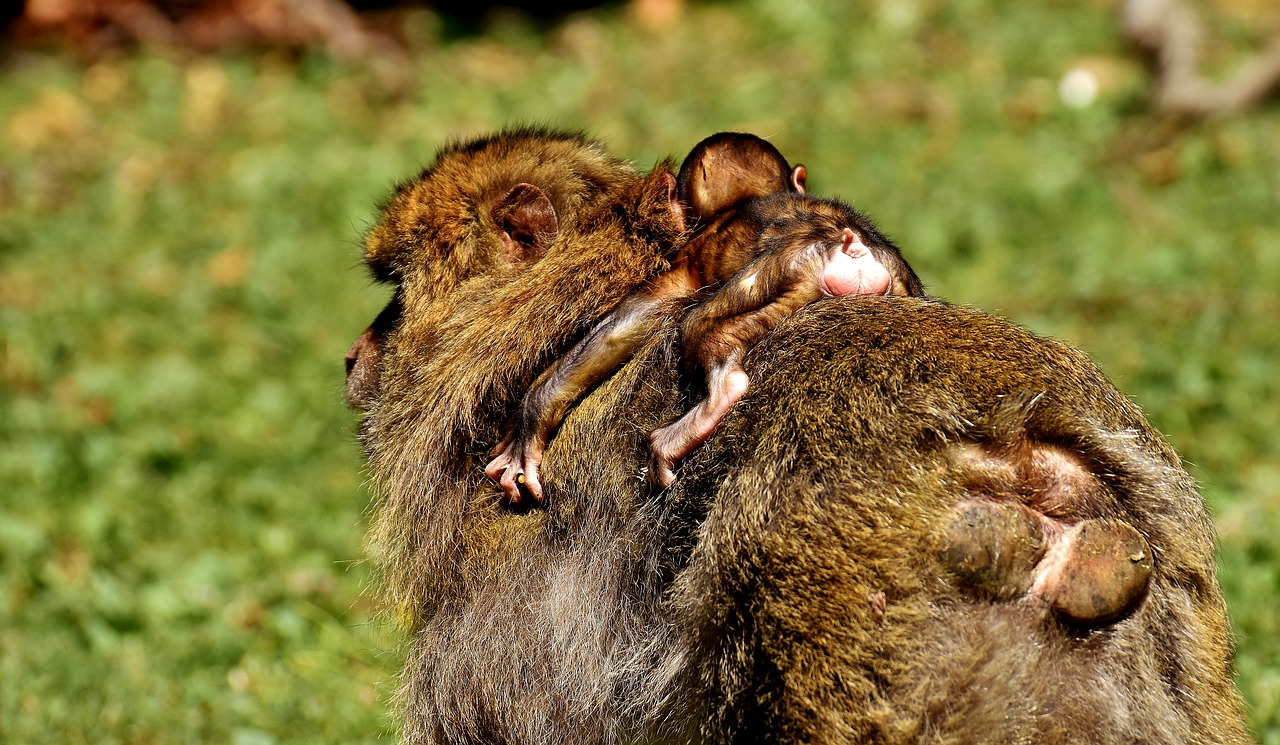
(510, 486)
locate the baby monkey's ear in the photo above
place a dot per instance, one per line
(799, 178)
(526, 221)
(729, 168)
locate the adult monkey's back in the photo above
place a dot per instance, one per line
(849, 606)
(818, 571)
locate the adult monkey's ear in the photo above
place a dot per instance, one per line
(526, 222)
(729, 168)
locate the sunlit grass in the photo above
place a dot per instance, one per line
(182, 511)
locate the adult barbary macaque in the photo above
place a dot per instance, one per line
(921, 524)
(767, 249)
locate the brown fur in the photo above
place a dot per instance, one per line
(790, 587)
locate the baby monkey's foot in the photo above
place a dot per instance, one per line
(670, 444)
(662, 467)
(515, 468)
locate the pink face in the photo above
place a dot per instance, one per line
(854, 270)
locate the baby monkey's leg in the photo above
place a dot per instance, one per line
(726, 383)
(717, 334)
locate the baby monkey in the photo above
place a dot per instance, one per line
(765, 248)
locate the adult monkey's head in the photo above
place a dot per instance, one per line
(499, 254)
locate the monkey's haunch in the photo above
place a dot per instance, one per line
(1104, 570)
(993, 548)
(1024, 532)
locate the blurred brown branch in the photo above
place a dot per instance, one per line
(1171, 36)
(93, 25)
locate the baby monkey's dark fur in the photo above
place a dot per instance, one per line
(798, 583)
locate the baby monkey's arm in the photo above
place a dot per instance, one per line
(606, 348)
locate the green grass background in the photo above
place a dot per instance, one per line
(181, 498)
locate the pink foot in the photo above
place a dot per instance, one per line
(670, 444)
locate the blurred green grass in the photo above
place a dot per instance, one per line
(181, 508)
